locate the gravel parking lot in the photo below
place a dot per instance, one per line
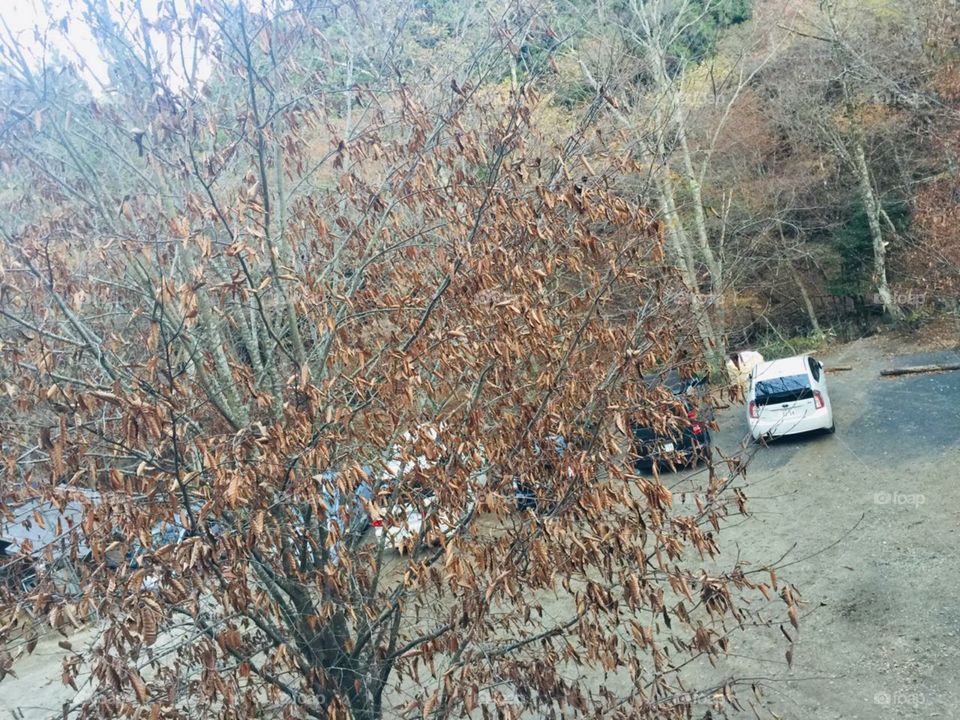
(874, 513)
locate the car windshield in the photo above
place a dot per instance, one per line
(788, 388)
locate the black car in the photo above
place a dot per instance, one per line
(686, 440)
(550, 453)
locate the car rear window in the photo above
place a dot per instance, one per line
(788, 388)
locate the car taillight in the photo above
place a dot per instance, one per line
(377, 523)
(817, 399)
(753, 409)
(691, 415)
(697, 428)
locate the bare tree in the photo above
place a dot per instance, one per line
(248, 313)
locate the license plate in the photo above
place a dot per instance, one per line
(793, 412)
(668, 447)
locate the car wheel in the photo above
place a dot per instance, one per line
(833, 427)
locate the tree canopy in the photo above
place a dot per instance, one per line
(302, 284)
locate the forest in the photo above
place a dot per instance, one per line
(275, 273)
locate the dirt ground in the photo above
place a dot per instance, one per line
(874, 511)
(869, 520)
(36, 691)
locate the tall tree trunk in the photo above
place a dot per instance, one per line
(805, 296)
(679, 247)
(693, 187)
(860, 168)
(670, 92)
(669, 89)
(677, 234)
(872, 206)
(798, 279)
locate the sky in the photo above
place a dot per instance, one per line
(36, 24)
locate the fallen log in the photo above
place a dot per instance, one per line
(916, 369)
(839, 368)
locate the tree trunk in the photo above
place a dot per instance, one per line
(804, 295)
(811, 312)
(671, 92)
(872, 206)
(679, 247)
(696, 196)
(677, 234)
(859, 161)
(915, 369)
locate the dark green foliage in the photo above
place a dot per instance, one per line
(534, 54)
(704, 20)
(697, 24)
(854, 246)
(570, 94)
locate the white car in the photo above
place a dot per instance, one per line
(406, 524)
(787, 397)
